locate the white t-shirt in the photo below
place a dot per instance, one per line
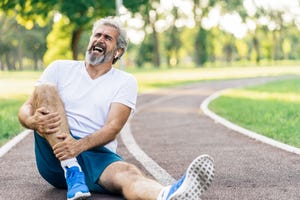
(87, 101)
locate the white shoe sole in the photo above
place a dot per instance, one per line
(199, 176)
(80, 196)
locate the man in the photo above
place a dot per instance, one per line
(77, 110)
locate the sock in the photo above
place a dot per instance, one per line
(164, 193)
(71, 162)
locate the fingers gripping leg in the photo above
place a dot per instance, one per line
(46, 95)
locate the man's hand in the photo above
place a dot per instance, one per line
(68, 148)
(45, 122)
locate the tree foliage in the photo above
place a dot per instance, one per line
(81, 13)
(169, 38)
(16, 42)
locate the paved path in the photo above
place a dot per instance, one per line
(172, 130)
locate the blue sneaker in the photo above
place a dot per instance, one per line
(77, 188)
(194, 182)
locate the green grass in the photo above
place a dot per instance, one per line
(9, 124)
(153, 79)
(15, 87)
(272, 109)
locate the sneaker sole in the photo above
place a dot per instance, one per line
(80, 196)
(199, 176)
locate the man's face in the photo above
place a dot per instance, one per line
(102, 45)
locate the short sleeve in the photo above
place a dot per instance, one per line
(127, 93)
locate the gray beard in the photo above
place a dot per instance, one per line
(93, 60)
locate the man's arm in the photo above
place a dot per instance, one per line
(117, 117)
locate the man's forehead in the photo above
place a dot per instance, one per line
(107, 29)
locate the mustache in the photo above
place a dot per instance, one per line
(98, 47)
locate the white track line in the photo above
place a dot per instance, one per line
(251, 134)
(6, 147)
(149, 164)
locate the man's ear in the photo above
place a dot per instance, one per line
(119, 53)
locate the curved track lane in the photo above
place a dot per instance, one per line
(172, 131)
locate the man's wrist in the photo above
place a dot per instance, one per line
(83, 144)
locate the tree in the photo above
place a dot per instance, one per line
(202, 43)
(58, 41)
(236, 8)
(17, 43)
(145, 51)
(150, 18)
(34, 45)
(172, 40)
(81, 13)
(277, 21)
(200, 10)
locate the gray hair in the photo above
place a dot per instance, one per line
(122, 40)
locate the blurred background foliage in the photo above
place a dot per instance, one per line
(163, 33)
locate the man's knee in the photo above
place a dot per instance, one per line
(128, 171)
(46, 89)
(46, 95)
(118, 175)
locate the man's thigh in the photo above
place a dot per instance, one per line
(93, 163)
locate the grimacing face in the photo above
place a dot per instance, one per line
(102, 45)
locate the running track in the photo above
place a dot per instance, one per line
(169, 130)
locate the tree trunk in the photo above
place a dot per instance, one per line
(8, 64)
(75, 42)
(256, 48)
(35, 61)
(275, 48)
(20, 55)
(1, 63)
(156, 59)
(197, 59)
(201, 54)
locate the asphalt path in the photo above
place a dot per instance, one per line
(172, 130)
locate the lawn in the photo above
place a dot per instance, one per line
(15, 87)
(272, 109)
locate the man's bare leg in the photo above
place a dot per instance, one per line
(46, 95)
(127, 179)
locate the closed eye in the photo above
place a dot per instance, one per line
(106, 37)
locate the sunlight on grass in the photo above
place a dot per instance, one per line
(15, 83)
(153, 79)
(287, 97)
(272, 109)
(15, 87)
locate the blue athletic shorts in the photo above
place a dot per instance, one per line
(93, 162)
